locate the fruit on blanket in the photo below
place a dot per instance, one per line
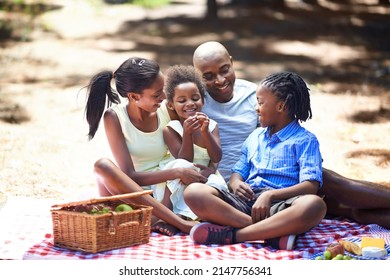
(338, 257)
(335, 249)
(123, 208)
(351, 247)
(327, 255)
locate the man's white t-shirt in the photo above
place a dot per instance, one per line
(236, 120)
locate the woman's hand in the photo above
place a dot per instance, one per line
(205, 170)
(189, 175)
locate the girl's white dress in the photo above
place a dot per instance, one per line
(176, 186)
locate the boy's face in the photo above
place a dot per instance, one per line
(269, 107)
(186, 100)
(218, 76)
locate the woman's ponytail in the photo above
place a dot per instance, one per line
(98, 89)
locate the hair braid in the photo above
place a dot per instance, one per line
(292, 89)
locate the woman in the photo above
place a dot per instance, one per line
(134, 132)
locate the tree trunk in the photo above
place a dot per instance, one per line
(212, 9)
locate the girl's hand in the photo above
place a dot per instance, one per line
(191, 124)
(204, 121)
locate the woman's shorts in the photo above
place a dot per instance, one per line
(246, 206)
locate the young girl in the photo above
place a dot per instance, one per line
(276, 179)
(192, 138)
(134, 132)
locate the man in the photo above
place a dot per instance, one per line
(231, 103)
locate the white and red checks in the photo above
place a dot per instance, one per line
(28, 235)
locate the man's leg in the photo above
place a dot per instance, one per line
(361, 201)
(355, 193)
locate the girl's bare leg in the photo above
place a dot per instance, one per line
(159, 225)
(112, 181)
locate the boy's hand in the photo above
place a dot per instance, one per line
(243, 190)
(261, 208)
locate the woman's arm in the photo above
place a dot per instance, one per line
(117, 142)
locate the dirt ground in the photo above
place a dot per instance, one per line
(342, 53)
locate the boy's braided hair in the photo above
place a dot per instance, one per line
(291, 88)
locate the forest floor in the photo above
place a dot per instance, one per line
(342, 53)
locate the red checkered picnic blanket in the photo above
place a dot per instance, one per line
(28, 235)
(180, 247)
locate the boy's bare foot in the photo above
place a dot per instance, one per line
(162, 227)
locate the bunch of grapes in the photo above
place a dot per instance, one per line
(327, 255)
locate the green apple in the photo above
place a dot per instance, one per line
(123, 208)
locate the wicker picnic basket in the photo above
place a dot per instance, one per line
(101, 232)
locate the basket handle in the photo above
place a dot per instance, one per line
(113, 224)
(103, 199)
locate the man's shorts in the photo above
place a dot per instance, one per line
(246, 206)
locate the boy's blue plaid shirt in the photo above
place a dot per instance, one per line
(289, 157)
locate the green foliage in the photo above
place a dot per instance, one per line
(19, 20)
(150, 3)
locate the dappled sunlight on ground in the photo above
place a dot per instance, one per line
(343, 55)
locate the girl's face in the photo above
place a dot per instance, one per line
(187, 100)
(151, 98)
(269, 108)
